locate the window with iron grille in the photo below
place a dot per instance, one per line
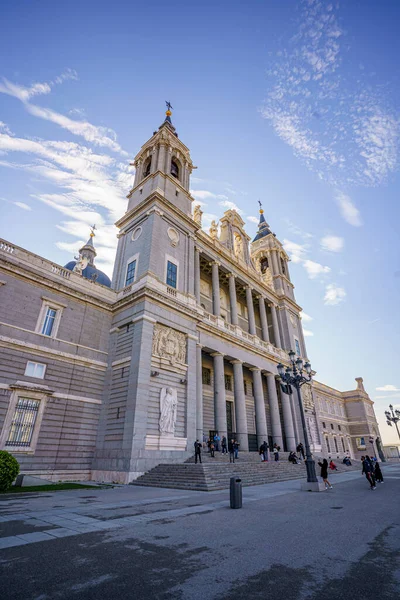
(172, 271)
(344, 449)
(206, 376)
(336, 446)
(130, 273)
(327, 444)
(49, 321)
(23, 423)
(228, 383)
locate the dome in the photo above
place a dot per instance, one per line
(92, 273)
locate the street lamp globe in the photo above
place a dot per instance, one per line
(281, 369)
(307, 367)
(299, 364)
(292, 355)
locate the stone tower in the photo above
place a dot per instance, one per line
(149, 405)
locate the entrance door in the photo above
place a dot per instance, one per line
(229, 419)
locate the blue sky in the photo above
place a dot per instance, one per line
(294, 103)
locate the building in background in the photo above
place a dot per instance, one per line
(105, 380)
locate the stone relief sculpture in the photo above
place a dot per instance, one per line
(214, 230)
(168, 410)
(239, 252)
(307, 398)
(81, 264)
(169, 343)
(197, 214)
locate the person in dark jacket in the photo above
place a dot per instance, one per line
(223, 444)
(368, 469)
(300, 450)
(324, 473)
(197, 451)
(231, 448)
(265, 447)
(378, 473)
(293, 458)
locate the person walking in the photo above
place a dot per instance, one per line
(324, 474)
(223, 444)
(276, 452)
(368, 470)
(231, 448)
(300, 450)
(265, 448)
(378, 473)
(217, 440)
(236, 448)
(212, 448)
(197, 451)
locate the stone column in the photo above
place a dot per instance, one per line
(161, 158)
(288, 422)
(197, 274)
(250, 310)
(275, 264)
(199, 394)
(154, 160)
(233, 299)
(275, 326)
(274, 410)
(169, 160)
(219, 395)
(215, 290)
(240, 406)
(263, 317)
(261, 419)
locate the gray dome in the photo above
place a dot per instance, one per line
(92, 273)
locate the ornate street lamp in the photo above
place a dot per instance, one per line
(393, 417)
(293, 376)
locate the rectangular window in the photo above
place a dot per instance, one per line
(23, 423)
(360, 441)
(336, 446)
(323, 424)
(206, 376)
(228, 383)
(245, 387)
(49, 320)
(332, 426)
(297, 344)
(340, 429)
(130, 272)
(327, 444)
(344, 449)
(172, 271)
(34, 369)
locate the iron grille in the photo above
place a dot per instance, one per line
(23, 422)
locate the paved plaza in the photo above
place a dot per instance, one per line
(140, 543)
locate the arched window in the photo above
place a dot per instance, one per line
(174, 168)
(264, 264)
(147, 167)
(283, 266)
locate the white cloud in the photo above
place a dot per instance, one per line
(230, 205)
(253, 219)
(334, 295)
(24, 93)
(388, 388)
(348, 210)
(305, 317)
(205, 194)
(307, 333)
(295, 251)
(332, 243)
(315, 269)
(23, 205)
(5, 129)
(389, 397)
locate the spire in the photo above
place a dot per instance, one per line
(88, 251)
(263, 227)
(167, 121)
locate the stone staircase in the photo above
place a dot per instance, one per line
(215, 473)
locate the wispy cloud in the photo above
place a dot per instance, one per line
(348, 210)
(298, 254)
(296, 251)
(305, 317)
(230, 205)
(253, 219)
(332, 243)
(388, 388)
(315, 269)
(308, 333)
(346, 137)
(25, 93)
(5, 129)
(23, 205)
(334, 295)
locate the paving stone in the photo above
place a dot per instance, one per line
(11, 541)
(37, 536)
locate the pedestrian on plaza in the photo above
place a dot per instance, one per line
(368, 470)
(264, 450)
(217, 440)
(300, 450)
(231, 448)
(197, 451)
(378, 473)
(324, 474)
(276, 452)
(209, 445)
(223, 444)
(212, 448)
(236, 448)
(293, 458)
(332, 466)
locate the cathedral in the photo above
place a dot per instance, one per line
(103, 380)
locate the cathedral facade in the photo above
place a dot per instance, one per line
(104, 380)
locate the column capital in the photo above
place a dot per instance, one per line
(272, 305)
(236, 361)
(196, 248)
(229, 275)
(248, 287)
(214, 262)
(213, 354)
(255, 369)
(199, 345)
(260, 297)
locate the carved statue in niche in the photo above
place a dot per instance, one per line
(307, 397)
(310, 422)
(168, 410)
(214, 230)
(239, 251)
(170, 344)
(197, 214)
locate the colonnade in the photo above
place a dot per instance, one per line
(220, 417)
(216, 303)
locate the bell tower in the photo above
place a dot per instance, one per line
(163, 164)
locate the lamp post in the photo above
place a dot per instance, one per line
(293, 376)
(393, 417)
